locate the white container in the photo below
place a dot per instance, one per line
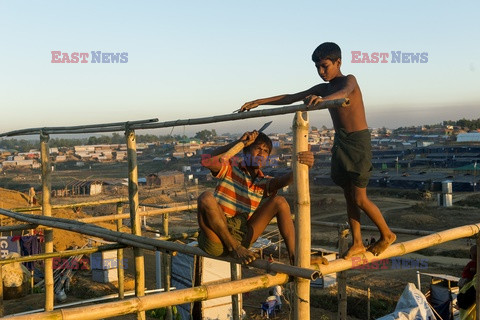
(104, 276)
(104, 260)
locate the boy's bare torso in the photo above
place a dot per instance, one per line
(351, 118)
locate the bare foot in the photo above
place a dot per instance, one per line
(245, 255)
(382, 244)
(318, 260)
(354, 250)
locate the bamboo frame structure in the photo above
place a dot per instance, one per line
(301, 300)
(141, 303)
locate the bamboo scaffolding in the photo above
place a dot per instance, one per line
(373, 228)
(120, 126)
(151, 244)
(160, 300)
(47, 211)
(134, 217)
(301, 302)
(74, 205)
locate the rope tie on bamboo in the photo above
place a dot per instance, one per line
(43, 134)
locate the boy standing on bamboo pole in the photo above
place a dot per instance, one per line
(351, 152)
(245, 200)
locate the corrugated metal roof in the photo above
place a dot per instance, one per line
(468, 137)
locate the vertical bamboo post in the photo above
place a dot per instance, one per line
(134, 216)
(368, 303)
(477, 297)
(342, 276)
(120, 262)
(236, 274)
(301, 303)
(166, 266)
(47, 211)
(1, 292)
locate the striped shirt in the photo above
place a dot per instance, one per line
(235, 191)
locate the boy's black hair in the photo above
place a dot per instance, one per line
(327, 50)
(262, 138)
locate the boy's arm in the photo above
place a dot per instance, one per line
(283, 99)
(217, 157)
(304, 157)
(344, 92)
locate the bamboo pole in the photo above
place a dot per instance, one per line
(368, 303)
(47, 211)
(342, 276)
(18, 227)
(301, 301)
(166, 272)
(140, 214)
(477, 296)
(236, 274)
(74, 205)
(227, 117)
(1, 292)
(120, 264)
(160, 300)
(61, 254)
(401, 248)
(151, 244)
(373, 228)
(134, 217)
(49, 130)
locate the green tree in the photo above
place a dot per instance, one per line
(206, 135)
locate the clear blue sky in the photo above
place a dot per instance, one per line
(191, 59)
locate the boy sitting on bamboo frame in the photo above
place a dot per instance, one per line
(245, 200)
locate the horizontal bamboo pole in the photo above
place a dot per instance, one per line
(151, 244)
(120, 126)
(60, 254)
(48, 130)
(258, 113)
(141, 213)
(373, 228)
(18, 227)
(160, 300)
(74, 205)
(401, 248)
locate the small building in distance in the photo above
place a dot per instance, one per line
(165, 179)
(81, 188)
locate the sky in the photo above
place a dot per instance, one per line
(189, 59)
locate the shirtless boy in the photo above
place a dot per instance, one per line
(351, 152)
(245, 200)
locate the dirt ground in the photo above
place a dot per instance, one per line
(401, 210)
